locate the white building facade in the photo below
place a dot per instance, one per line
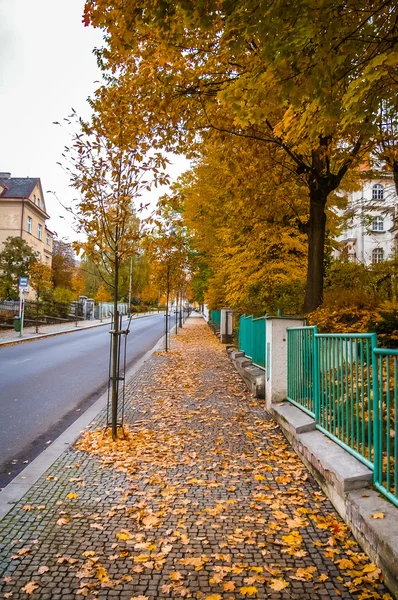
(370, 234)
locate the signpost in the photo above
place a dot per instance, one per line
(23, 283)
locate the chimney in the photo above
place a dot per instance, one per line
(5, 175)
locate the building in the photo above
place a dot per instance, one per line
(23, 214)
(370, 232)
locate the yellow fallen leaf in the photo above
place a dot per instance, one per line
(102, 575)
(123, 535)
(229, 586)
(323, 577)
(369, 568)
(259, 478)
(345, 563)
(63, 521)
(377, 516)
(214, 597)
(278, 584)
(71, 495)
(248, 591)
(175, 576)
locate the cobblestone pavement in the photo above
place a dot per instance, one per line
(202, 498)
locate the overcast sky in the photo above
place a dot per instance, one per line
(46, 67)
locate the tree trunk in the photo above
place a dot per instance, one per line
(115, 350)
(395, 175)
(316, 248)
(167, 308)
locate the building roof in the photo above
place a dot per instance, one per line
(18, 187)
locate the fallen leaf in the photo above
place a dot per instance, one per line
(248, 591)
(278, 584)
(378, 515)
(30, 587)
(229, 586)
(42, 570)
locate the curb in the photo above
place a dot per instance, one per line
(27, 478)
(53, 334)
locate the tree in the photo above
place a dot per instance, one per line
(41, 279)
(110, 164)
(63, 263)
(103, 295)
(275, 73)
(16, 258)
(168, 249)
(240, 206)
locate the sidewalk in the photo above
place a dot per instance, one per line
(10, 335)
(203, 499)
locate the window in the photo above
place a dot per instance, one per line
(377, 192)
(378, 224)
(38, 254)
(34, 198)
(48, 239)
(377, 255)
(29, 225)
(39, 231)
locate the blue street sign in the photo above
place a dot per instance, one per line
(23, 282)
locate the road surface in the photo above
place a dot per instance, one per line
(46, 384)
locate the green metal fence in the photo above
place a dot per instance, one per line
(301, 356)
(350, 387)
(215, 317)
(252, 339)
(385, 416)
(345, 391)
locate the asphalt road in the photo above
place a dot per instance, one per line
(47, 383)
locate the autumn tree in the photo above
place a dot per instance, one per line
(241, 206)
(41, 280)
(63, 263)
(169, 255)
(275, 73)
(16, 258)
(110, 164)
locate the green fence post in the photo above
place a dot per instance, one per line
(316, 376)
(377, 470)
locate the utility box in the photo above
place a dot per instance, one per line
(226, 326)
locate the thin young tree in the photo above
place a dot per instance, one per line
(110, 165)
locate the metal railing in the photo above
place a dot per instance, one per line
(345, 396)
(301, 356)
(386, 423)
(252, 339)
(350, 387)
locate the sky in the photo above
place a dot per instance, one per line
(47, 67)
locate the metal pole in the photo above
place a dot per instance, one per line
(37, 311)
(20, 311)
(130, 282)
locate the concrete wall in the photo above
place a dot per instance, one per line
(10, 218)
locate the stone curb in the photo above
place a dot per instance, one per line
(21, 484)
(54, 333)
(254, 377)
